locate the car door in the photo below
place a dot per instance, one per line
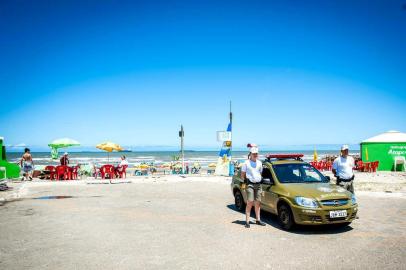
(269, 198)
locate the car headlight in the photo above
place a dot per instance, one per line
(306, 202)
(353, 199)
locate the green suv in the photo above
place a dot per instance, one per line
(298, 193)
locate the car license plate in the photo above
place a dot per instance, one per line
(338, 214)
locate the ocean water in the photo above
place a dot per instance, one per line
(156, 157)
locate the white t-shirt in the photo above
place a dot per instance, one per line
(123, 162)
(253, 170)
(344, 166)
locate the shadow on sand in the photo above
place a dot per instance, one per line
(272, 220)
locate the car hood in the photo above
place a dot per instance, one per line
(318, 191)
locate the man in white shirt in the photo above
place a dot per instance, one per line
(123, 161)
(342, 169)
(251, 173)
(121, 166)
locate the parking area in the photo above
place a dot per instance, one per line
(185, 225)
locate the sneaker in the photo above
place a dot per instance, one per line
(260, 223)
(247, 225)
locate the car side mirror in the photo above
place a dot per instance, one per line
(267, 181)
(327, 178)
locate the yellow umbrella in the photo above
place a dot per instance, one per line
(366, 153)
(212, 165)
(315, 155)
(109, 147)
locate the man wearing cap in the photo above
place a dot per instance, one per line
(251, 173)
(64, 159)
(342, 169)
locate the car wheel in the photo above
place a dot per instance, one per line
(239, 201)
(285, 217)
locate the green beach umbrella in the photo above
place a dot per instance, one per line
(61, 143)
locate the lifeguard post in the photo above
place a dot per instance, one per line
(7, 170)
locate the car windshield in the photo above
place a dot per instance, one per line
(298, 173)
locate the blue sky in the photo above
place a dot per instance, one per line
(297, 72)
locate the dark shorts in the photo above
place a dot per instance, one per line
(254, 192)
(27, 167)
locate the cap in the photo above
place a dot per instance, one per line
(65, 154)
(253, 148)
(344, 147)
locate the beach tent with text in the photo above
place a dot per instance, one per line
(384, 148)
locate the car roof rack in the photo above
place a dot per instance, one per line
(294, 156)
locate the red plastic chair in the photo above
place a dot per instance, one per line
(360, 166)
(312, 163)
(321, 165)
(62, 172)
(74, 173)
(121, 171)
(107, 170)
(52, 172)
(374, 166)
(367, 167)
(329, 165)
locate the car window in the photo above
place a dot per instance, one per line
(266, 173)
(298, 173)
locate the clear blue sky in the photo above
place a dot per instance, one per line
(297, 72)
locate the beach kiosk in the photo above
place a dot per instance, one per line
(387, 148)
(7, 170)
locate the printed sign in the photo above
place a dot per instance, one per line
(397, 150)
(223, 136)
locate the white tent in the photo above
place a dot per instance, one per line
(389, 136)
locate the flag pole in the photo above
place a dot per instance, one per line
(181, 134)
(231, 140)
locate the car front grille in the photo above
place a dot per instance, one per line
(337, 202)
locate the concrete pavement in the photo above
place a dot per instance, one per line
(184, 225)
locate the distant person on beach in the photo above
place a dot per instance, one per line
(251, 173)
(64, 159)
(123, 162)
(120, 166)
(342, 169)
(27, 165)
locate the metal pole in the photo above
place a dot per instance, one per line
(231, 139)
(182, 134)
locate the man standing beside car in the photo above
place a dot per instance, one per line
(342, 169)
(251, 173)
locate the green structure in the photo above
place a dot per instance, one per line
(384, 148)
(11, 170)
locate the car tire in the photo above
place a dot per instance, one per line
(239, 201)
(285, 217)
